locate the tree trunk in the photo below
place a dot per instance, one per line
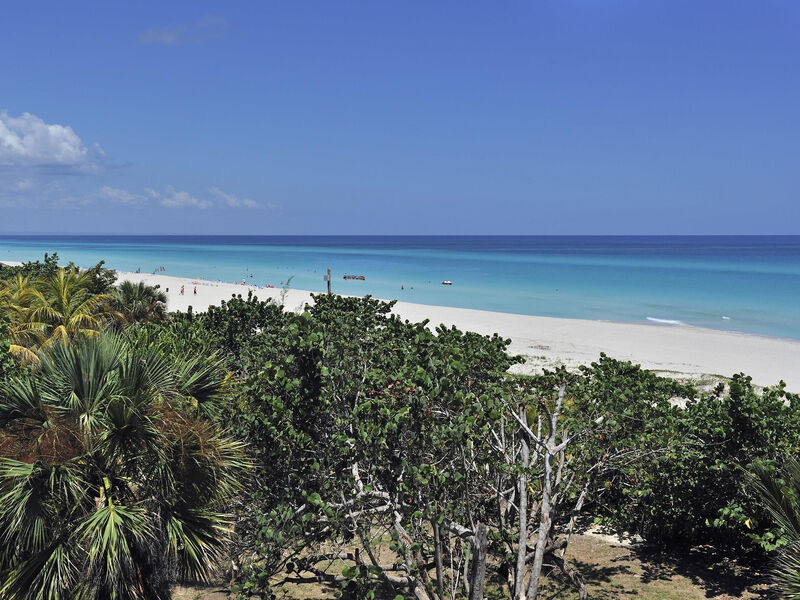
(544, 530)
(466, 552)
(573, 575)
(414, 583)
(545, 510)
(479, 556)
(438, 549)
(522, 546)
(574, 518)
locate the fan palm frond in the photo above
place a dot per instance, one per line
(139, 303)
(780, 493)
(202, 380)
(111, 479)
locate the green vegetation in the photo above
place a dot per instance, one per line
(47, 304)
(113, 483)
(139, 303)
(345, 447)
(780, 492)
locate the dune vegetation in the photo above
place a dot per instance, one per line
(341, 448)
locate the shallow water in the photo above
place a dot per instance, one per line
(738, 283)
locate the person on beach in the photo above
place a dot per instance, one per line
(195, 290)
(181, 290)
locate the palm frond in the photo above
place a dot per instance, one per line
(201, 381)
(195, 540)
(24, 355)
(21, 399)
(52, 573)
(25, 510)
(781, 498)
(108, 534)
(108, 485)
(79, 377)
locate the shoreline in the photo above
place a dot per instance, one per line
(684, 351)
(545, 342)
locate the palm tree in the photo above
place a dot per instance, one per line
(16, 299)
(112, 485)
(17, 289)
(16, 296)
(138, 302)
(63, 308)
(781, 495)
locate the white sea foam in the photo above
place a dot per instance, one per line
(665, 321)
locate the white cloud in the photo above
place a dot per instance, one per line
(172, 198)
(208, 28)
(41, 192)
(231, 200)
(27, 141)
(178, 199)
(119, 196)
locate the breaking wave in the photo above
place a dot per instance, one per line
(665, 321)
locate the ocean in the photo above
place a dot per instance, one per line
(749, 284)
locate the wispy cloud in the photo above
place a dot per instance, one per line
(210, 27)
(119, 196)
(231, 200)
(172, 198)
(28, 141)
(48, 192)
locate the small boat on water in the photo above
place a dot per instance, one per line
(358, 277)
(447, 282)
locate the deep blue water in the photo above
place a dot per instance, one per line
(741, 283)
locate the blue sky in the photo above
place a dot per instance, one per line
(589, 116)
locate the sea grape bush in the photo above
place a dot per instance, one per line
(727, 430)
(388, 458)
(33, 269)
(361, 423)
(687, 486)
(349, 411)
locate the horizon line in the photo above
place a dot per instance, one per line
(343, 235)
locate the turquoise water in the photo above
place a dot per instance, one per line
(739, 283)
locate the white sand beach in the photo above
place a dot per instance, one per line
(546, 341)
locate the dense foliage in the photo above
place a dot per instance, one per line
(349, 410)
(138, 303)
(780, 491)
(43, 304)
(384, 457)
(31, 270)
(687, 487)
(113, 483)
(100, 279)
(8, 366)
